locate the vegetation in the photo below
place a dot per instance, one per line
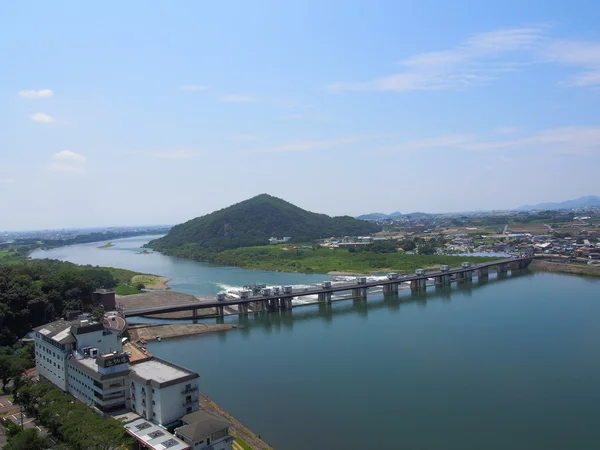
(24, 439)
(323, 260)
(242, 443)
(35, 292)
(251, 223)
(14, 361)
(71, 422)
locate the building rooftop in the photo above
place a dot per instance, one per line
(153, 436)
(161, 371)
(59, 331)
(201, 424)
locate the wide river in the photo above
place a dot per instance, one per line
(508, 363)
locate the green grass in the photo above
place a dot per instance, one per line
(325, 260)
(242, 443)
(146, 280)
(124, 289)
(107, 245)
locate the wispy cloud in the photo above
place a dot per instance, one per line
(7, 180)
(245, 137)
(175, 154)
(193, 87)
(312, 145)
(42, 118)
(440, 142)
(237, 98)
(583, 55)
(67, 161)
(562, 140)
(36, 93)
(506, 130)
(477, 61)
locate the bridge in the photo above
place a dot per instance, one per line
(269, 300)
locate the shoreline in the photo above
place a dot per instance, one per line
(237, 429)
(151, 331)
(570, 269)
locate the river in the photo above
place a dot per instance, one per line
(508, 363)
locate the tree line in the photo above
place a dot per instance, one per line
(36, 292)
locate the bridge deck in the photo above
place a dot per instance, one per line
(312, 291)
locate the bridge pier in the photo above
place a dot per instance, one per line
(220, 311)
(194, 314)
(359, 292)
(502, 268)
(324, 297)
(460, 276)
(243, 308)
(259, 306)
(418, 284)
(483, 272)
(442, 280)
(285, 303)
(391, 288)
(273, 304)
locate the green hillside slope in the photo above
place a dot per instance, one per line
(252, 222)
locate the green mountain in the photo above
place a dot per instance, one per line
(252, 222)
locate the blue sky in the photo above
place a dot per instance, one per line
(126, 113)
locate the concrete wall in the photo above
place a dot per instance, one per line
(170, 402)
(106, 341)
(50, 362)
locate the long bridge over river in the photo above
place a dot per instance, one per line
(276, 298)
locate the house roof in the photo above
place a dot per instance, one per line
(201, 424)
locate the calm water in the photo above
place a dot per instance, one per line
(508, 364)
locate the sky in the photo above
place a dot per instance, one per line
(138, 113)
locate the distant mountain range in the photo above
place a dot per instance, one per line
(394, 215)
(581, 202)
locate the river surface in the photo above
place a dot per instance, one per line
(510, 363)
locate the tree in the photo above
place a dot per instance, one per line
(27, 439)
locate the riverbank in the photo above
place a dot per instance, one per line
(237, 430)
(573, 269)
(336, 260)
(152, 282)
(151, 331)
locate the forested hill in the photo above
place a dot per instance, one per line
(252, 222)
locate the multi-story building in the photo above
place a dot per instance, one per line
(86, 359)
(161, 391)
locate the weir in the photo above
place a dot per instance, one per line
(275, 299)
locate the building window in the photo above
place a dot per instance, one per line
(188, 409)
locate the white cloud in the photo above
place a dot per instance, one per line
(193, 87)
(42, 118)
(583, 55)
(477, 61)
(7, 180)
(236, 98)
(68, 155)
(67, 161)
(36, 93)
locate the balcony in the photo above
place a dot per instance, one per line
(190, 389)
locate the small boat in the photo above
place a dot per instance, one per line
(158, 338)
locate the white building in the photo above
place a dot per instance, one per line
(86, 359)
(203, 430)
(161, 391)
